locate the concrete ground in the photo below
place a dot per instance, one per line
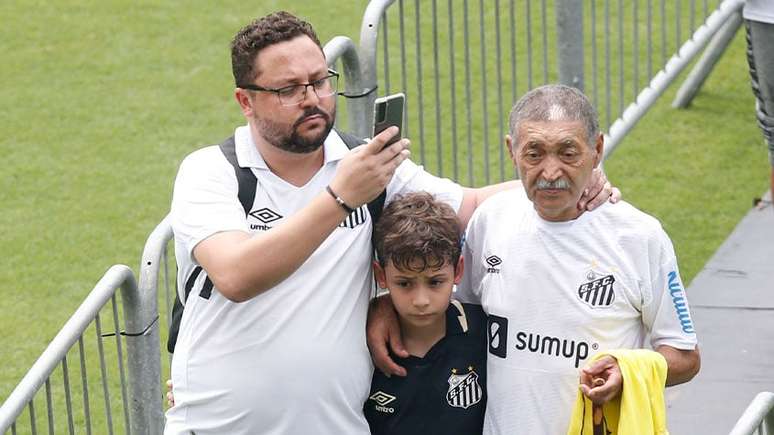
(732, 303)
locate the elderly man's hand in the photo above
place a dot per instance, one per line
(601, 381)
(170, 394)
(382, 328)
(598, 191)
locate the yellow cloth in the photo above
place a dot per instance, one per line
(639, 410)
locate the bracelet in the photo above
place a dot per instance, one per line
(339, 200)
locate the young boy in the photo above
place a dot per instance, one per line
(418, 246)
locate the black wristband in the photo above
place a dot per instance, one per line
(339, 200)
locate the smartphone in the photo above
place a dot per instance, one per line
(388, 111)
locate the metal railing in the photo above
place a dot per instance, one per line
(482, 56)
(758, 418)
(127, 404)
(462, 63)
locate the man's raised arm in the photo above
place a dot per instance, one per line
(242, 266)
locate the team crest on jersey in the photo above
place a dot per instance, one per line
(464, 390)
(598, 292)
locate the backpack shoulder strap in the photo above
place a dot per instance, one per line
(377, 204)
(245, 177)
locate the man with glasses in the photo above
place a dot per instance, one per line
(272, 338)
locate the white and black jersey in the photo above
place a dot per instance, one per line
(559, 292)
(292, 360)
(444, 392)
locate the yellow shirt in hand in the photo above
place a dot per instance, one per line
(639, 410)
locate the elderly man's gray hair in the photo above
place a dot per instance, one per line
(555, 103)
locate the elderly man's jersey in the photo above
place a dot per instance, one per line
(444, 392)
(557, 293)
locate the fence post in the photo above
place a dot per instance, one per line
(715, 49)
(569, 24)
(141, 317)
(344, 49)
(369, 32)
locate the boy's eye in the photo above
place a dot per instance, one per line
(402, 284)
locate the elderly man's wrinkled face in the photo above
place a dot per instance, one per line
(555, 161)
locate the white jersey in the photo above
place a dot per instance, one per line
(559, 292)
(759, 10)
(292, 360)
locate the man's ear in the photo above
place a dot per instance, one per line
(243, 98)
(508, 145)
(381, 277)
(599, 147)
(459, 270)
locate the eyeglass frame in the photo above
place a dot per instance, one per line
(278, 91)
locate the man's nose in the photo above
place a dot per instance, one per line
(310, 97)
(552, 169)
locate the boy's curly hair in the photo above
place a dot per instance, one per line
(416, 231)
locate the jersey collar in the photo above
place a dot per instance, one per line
(249, 157)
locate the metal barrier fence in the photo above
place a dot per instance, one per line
(758, 418)
(127, 404)
(463, 63)
(460, 87)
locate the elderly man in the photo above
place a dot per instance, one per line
(559, 284)
(277, 280)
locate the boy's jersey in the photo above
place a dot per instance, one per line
(557, 293)
(444, 392)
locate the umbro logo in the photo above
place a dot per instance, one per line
(382, 399)
(493, 261)
(266, 215)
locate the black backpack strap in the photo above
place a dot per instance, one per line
(377, 204)
(245, 177)
(247, 185)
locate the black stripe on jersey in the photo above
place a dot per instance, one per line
(206, 289)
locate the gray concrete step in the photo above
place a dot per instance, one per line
(732, 303)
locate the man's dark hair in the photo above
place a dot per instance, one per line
(273, 28)
(416, 231)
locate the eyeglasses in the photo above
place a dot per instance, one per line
(295, 94)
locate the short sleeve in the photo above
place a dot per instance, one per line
(469, 288)
(410, 177)
(205, 199)
(666, 312)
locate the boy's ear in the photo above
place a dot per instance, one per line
(379, 274)
(459, 270)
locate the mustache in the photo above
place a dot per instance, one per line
(310, 112)
(560, 184)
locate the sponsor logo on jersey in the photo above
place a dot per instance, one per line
(598, 292)
(493, 261)
(382, 399)
(266, 216)
(573, 350)
(678, 299)
(464, 390)
(357, 217)
(497, 329)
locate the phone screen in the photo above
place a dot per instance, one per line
(388, 111)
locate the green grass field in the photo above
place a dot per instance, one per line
(102, 100)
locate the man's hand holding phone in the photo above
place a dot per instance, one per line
(365, 172)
